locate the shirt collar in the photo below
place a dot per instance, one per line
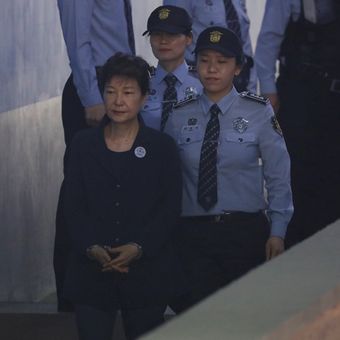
(224, 104)
(180, 72)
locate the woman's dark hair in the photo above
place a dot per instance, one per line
(125, 65)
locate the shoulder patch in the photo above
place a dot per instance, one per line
(152, 71)
(276, 126)
(255, 97)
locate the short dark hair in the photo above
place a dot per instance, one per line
(125, 65)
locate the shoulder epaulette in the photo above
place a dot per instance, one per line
(152, 71)
(253, 96)
(185, 101)
(192, 68)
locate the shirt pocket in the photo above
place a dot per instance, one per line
(189, 144)
(241, 150)
(209, 14)
(190, 134)
(243, 138)
(151, 114)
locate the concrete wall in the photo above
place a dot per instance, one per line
(33, 69)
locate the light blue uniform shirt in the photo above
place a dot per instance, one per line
(152, 110)
(93, 31)
(275, 21)
(248, 155)
(206, 13)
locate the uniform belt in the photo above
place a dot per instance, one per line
(225, 217)
(312, 72)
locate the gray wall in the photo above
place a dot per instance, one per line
(33, 69)
(32, 55)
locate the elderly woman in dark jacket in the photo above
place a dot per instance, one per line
(122, 199)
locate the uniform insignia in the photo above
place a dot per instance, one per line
(276, 126)
(183, 102)
(192, 121)
(215, 36)
(240, 124)
(153, 92)
(255, 97)
(190, 95)
(163, 14)
(190, 92)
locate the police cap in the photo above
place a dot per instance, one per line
(219, 39)
(169, 19)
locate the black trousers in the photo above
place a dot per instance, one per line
(310, 119)
(216, 253)
(73, 118)
(95, 323)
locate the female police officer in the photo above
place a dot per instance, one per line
(230, 145)
(169, 28)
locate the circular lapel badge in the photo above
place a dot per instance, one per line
(140, 152)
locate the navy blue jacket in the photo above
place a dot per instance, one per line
(141, 205)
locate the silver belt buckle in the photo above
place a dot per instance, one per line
(335, 86)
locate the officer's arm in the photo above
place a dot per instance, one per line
(76, 17)
(275, 20)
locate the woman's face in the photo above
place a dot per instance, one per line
(216, 72)
(168, 47)
(122, 99)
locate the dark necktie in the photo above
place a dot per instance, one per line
(128, 16)
(232, 18)
(207, 176)
(169, 98)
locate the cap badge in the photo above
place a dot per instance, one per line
(215, 36)
(163, 14)
(240, 124)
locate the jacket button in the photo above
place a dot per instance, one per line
(117, 186)
(117, 204)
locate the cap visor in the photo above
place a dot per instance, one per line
(224, 51)
(167, 29)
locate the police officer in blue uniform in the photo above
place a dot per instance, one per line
(304, 37)
(231, 14)
(169, 28)
(90, 32)
(231, 145)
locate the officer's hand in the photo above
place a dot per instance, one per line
(274, 246)
(274, 100)
(124, 255)
(94, 114)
